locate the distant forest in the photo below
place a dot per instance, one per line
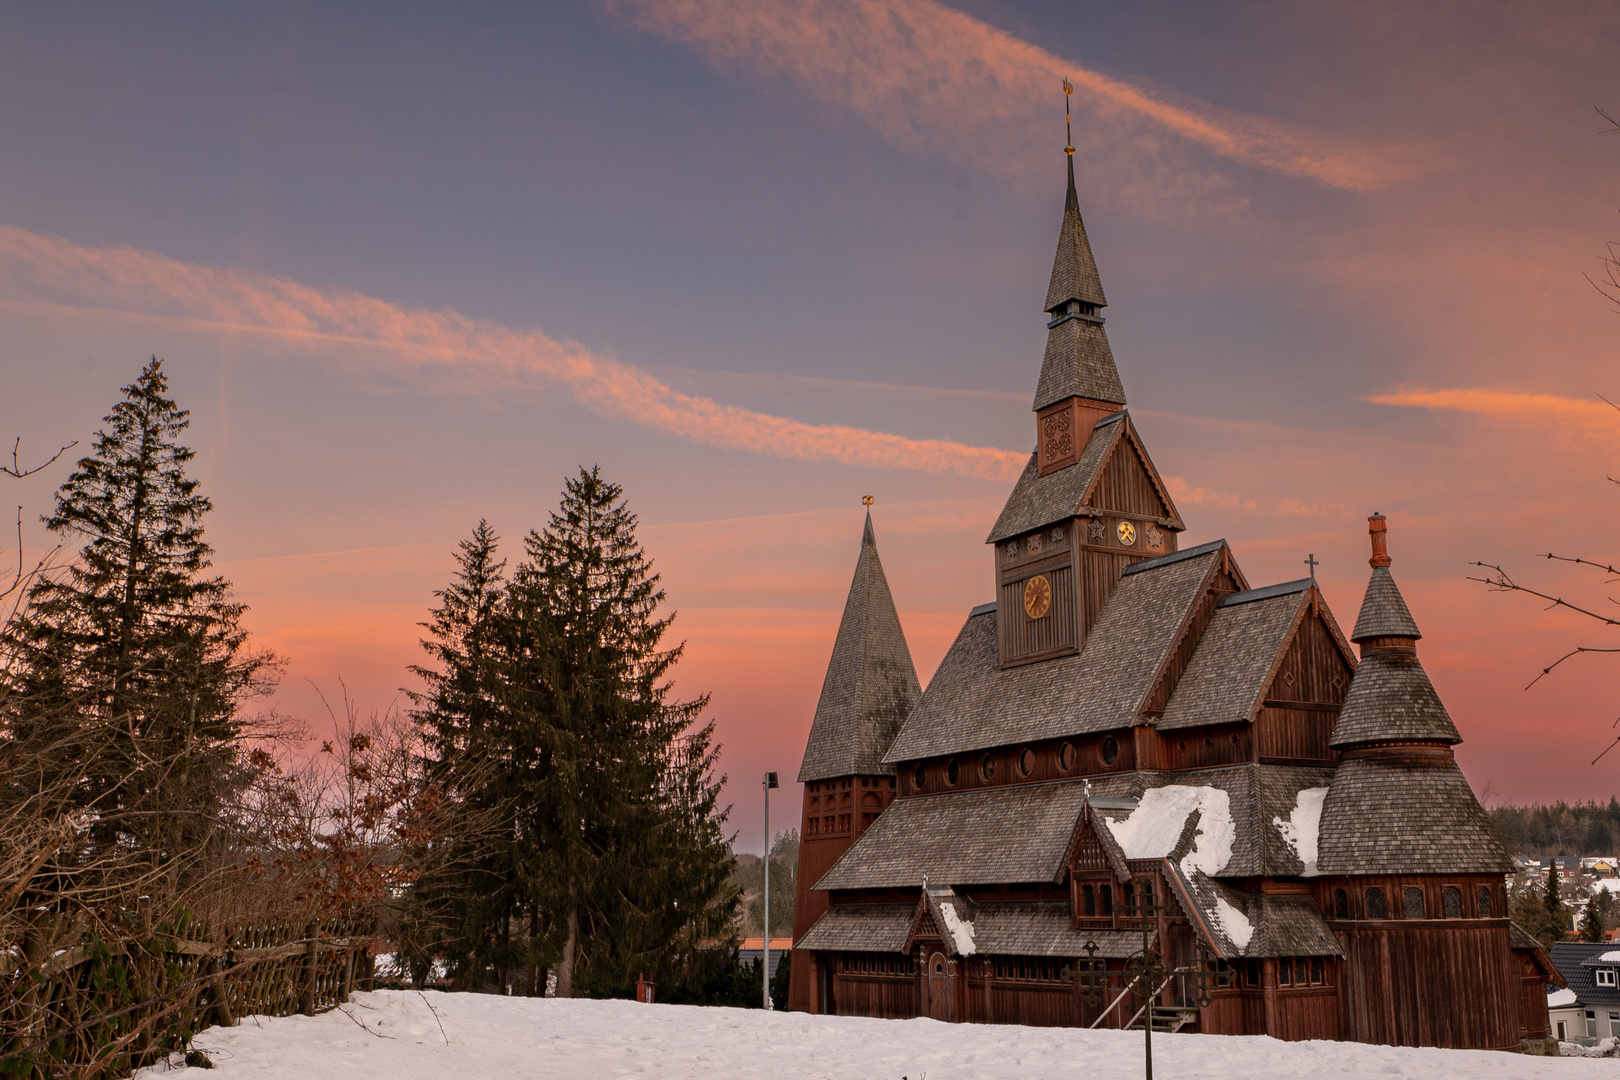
(1560, 828)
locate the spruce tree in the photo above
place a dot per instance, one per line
(1591, 922)
(137, 640)
(1550, 897)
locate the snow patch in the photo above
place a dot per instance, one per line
(1560, 997)
(960, 930)
(1304, 823)
(1610, 957)
(1236, 925)
(1152, 829)
(1607, 884)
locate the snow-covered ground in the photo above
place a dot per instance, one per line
(402, 1035)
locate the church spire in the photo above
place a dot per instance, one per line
(871, 683)
(1079, 383)
(1390, 698)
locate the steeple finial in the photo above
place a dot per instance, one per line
(868, 538)
(1380, 553)
(1068, 149)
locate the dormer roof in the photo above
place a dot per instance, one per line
(871, 682)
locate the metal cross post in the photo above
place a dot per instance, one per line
(765, 928)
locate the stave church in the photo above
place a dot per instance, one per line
(1140, 790)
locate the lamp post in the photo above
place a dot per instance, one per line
(765, 928)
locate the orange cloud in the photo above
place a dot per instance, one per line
(36, 269)
(1596, 418)
(931, 78)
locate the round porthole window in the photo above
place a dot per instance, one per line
(1209, 742)
(987, 767)
(1110, 750)
(1066, 757)
(919, 777)
(953, 772)
(1026, 762)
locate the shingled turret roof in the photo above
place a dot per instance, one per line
(1078, 361)
(1383, 611)
(871, 683)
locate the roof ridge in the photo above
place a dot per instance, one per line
(1265, 592)
(1173, 557)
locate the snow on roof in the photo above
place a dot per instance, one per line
(961, 931)
(1607, 884)
(1611, 957)
(1556, 998)
(1300, 830)
(1236, 925)
(1153, 828)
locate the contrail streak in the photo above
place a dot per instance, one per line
(48, 270)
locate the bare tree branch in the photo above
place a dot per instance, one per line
(1501, 582)
(16, 469)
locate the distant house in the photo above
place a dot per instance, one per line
(1603, 868)
(1589, 1007)
(752, 946)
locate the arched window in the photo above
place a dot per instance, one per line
(1484, 900)
(1451, 902)
(1145, 891)
(1414, 903)
(1375, 903)
(1341, 904)
(1105, 899)
(1088, 900)
(1128, 898)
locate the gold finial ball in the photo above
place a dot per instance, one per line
(866, 500)
(1069, 150)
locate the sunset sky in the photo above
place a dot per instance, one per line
(410, 265)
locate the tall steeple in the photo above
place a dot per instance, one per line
(1079, 382)
(1398, 803)
(871, 683)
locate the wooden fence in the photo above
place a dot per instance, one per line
(91, 1010)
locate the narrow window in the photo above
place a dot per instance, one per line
(1066, 757)
(1375, 903)
(1106, 896)
(1088, 900)
(1129, 899)
(1110, 750)
(1414, 903)
(1026, 762)
(953, 772)
(987, 767)
(919, 776)
(1341, 904)
(1484, 900)
(1316, 971)
(1147, 895)
(1451, 902)
(1285, 971)
(1254, 973)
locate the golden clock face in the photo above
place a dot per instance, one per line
(1037, 597)
(1127, 533)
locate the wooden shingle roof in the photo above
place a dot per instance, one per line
(860, 928)
(1237, 656)
(1078, 363)
(972, 703)
(1383, 610)
(871, 683)
(1038, 501)
(1391, 699)
(1074, 268)
(1406, 816)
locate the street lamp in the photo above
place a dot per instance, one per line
(765, 929)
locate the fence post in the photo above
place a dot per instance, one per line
(220, 994)
(306, 999)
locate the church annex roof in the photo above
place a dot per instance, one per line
(962, 838)
(1037, 501)
(1238, 655)
(871, 683)
(1383, 610)
(860, 928)
(972, 703)
(1406, 816)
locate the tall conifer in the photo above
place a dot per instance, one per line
(136, 638)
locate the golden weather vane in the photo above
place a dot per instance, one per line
(866, 500)
(1068, 128)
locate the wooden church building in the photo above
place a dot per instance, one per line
(1133, 732)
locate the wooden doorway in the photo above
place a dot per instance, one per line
(939, 987)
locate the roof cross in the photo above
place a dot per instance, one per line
(1310, 561)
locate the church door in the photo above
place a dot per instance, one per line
(939, 987)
